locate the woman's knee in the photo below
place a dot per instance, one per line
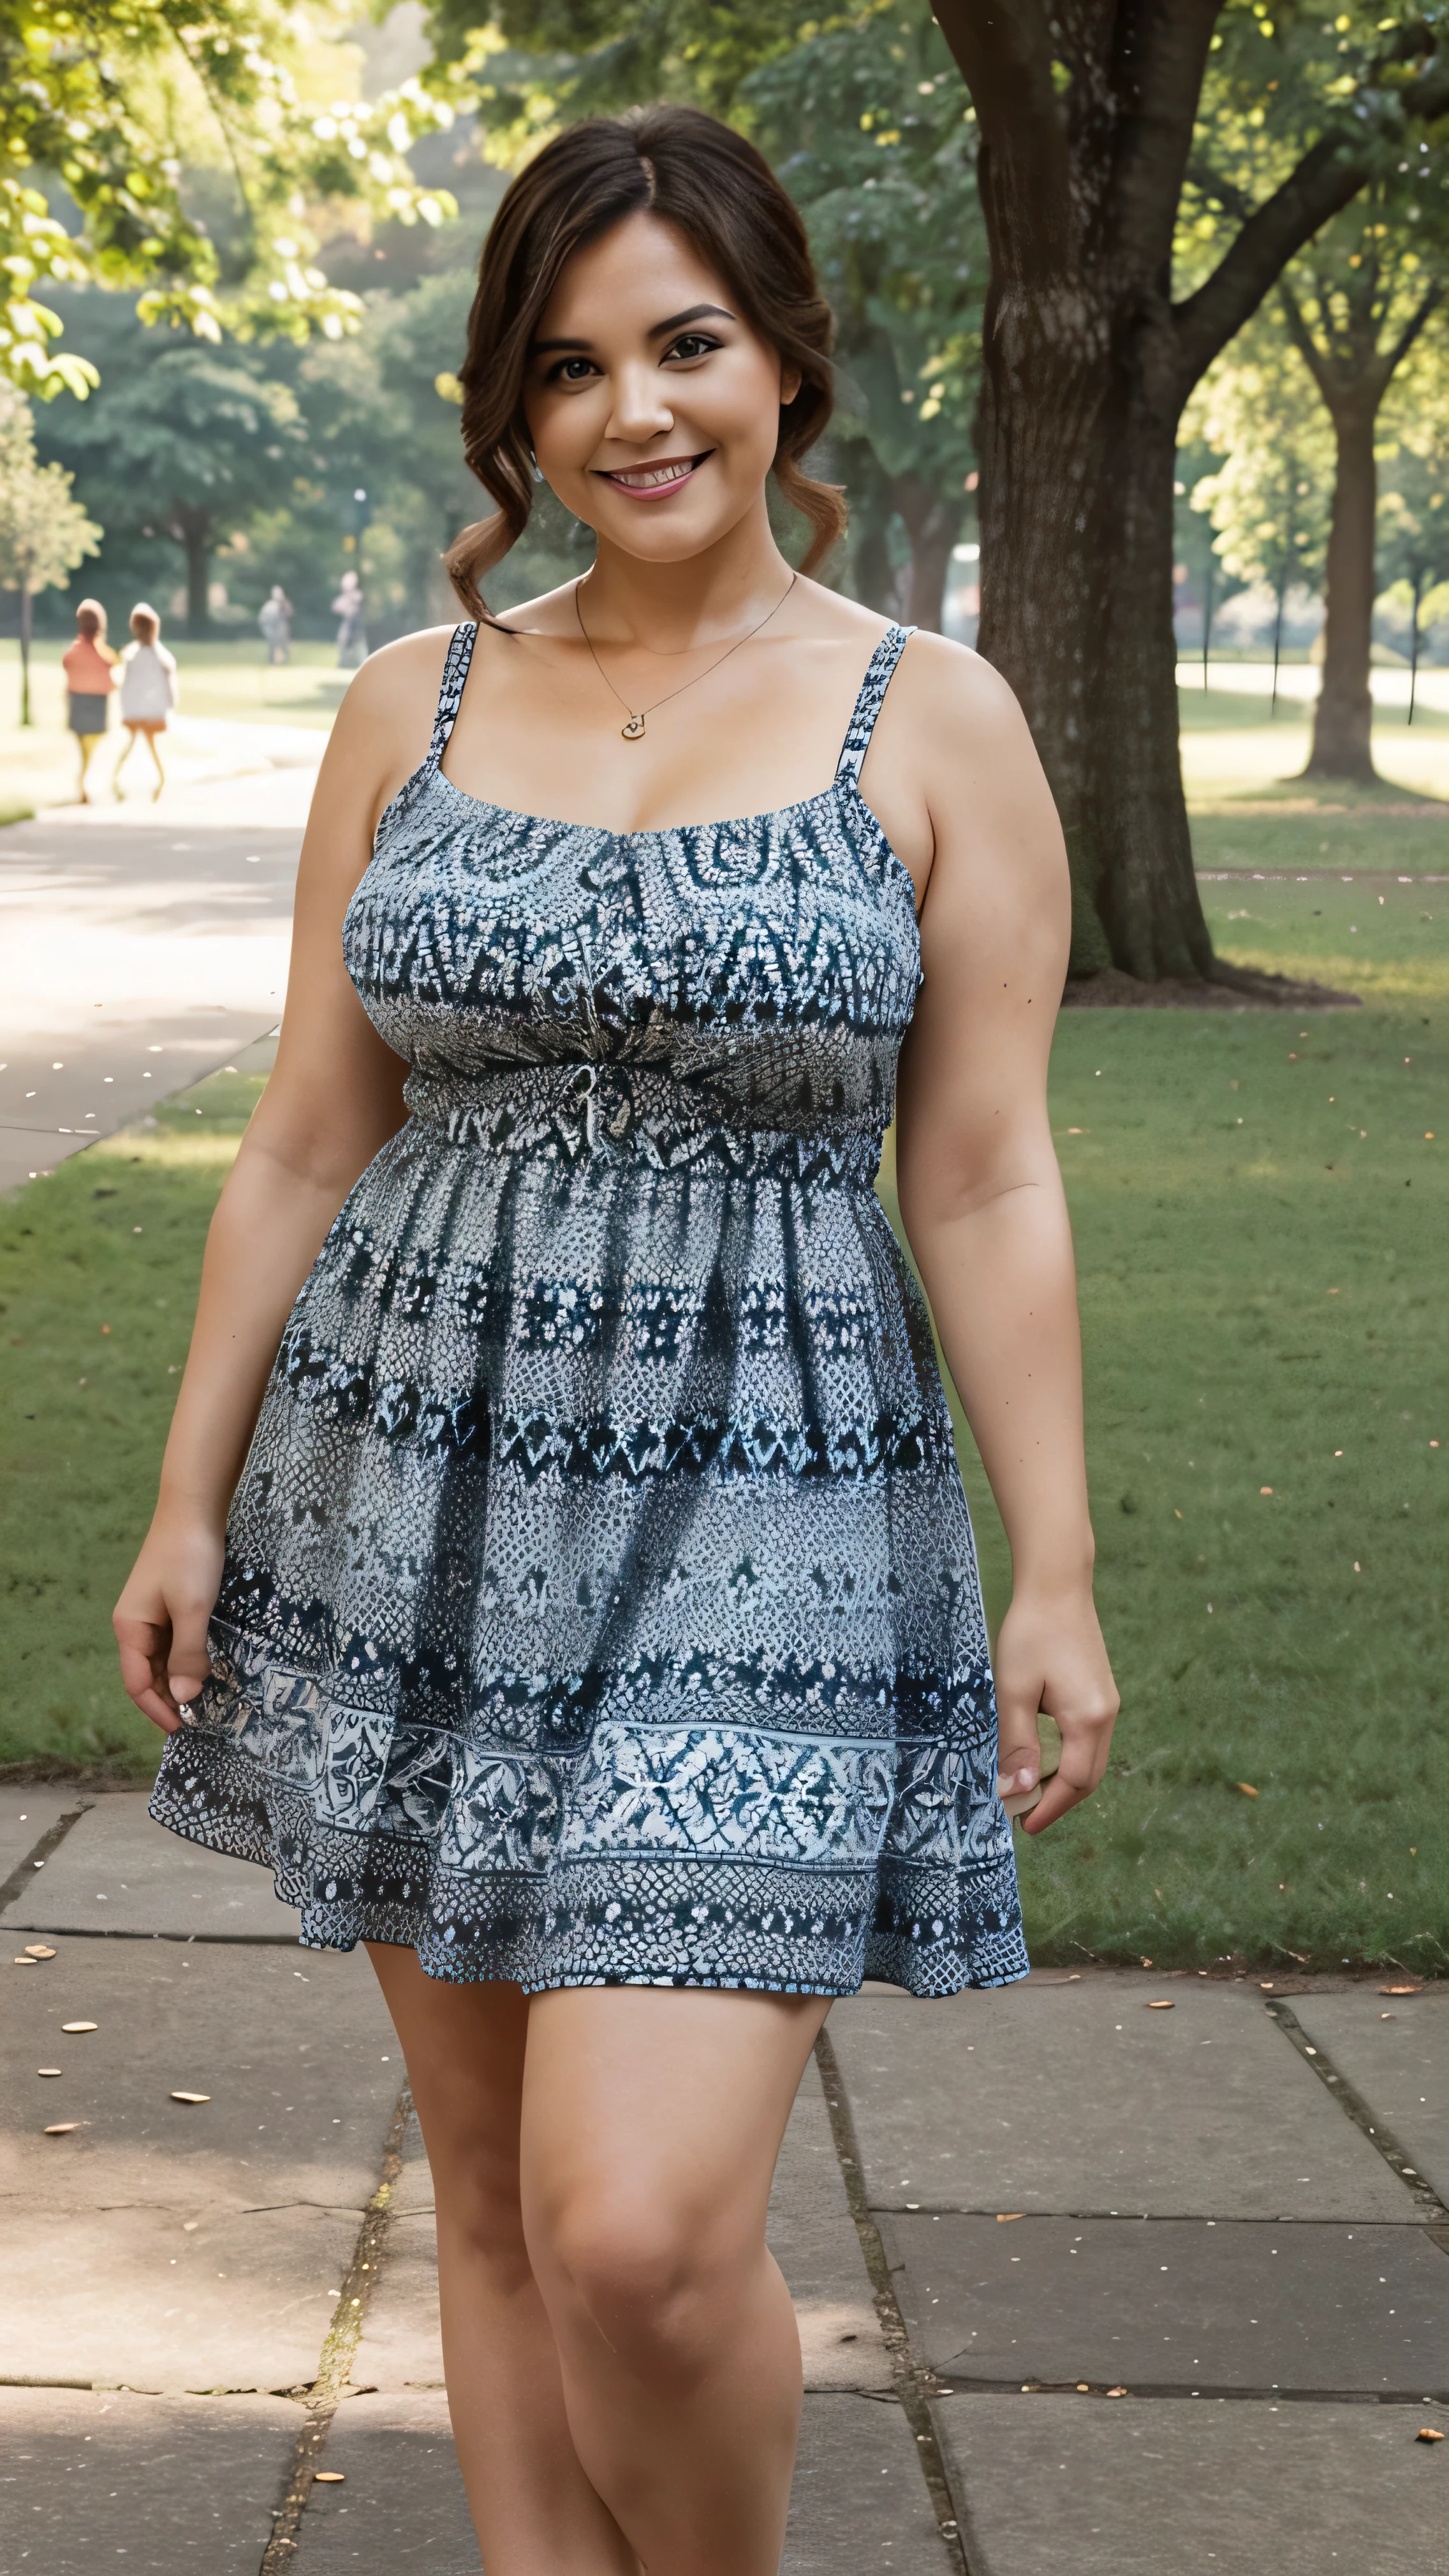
(651, 2280)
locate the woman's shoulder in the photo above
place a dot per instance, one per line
(941, 681)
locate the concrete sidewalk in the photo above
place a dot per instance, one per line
(1085, 2288)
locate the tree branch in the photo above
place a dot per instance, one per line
(1303, 340)
(1412, 328)
(1006, 62)
(1325, 181)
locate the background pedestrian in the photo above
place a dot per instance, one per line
(89, 667)
(148, 690)
(275, 620)
(349, 607)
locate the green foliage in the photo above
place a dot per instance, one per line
(44, 532)
(1413, 544)
(183, 441)
(112, 101)
(1270, 500)
(870, 129)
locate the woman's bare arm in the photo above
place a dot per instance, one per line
(982, 1200)
(334, 1099)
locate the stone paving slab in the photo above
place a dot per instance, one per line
(27, 1814)
(176, 2486)
(1172, 2303)
(1399, 2064)
(301, 2065)
(811, 2232)
(1046, 2485)
(126, 2298)
(117, 1872)
(1020, 2099)
(859, 2501)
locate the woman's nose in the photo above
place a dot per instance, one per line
(640, 410)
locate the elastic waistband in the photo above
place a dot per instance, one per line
(629, 1114)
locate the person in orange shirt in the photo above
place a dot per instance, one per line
(89, 667)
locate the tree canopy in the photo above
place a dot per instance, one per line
(110, 107)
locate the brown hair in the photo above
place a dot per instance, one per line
(145, 624)
(90, 617)
(702, 177)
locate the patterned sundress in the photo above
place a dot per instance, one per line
(600, 1603)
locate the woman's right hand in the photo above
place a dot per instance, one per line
(162, 1616)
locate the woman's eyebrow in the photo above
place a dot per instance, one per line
(696, 313)
(658, 331)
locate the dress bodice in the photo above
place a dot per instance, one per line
(736, 987)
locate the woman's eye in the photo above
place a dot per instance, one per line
(571, 371)
(691, 344)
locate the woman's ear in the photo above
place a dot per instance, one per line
(791, 381)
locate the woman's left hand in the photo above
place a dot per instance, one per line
(1050, 1656)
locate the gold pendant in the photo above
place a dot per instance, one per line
(633, 731)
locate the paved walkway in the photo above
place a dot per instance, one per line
(140, 947)
(1085, 2288)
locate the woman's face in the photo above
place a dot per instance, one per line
(653, 407)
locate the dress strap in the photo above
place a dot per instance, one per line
(868, 705)
(450, 695)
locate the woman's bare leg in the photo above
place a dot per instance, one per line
(154, 744)
(535, 2511)
(652, 2119)
(129, 747)
(86, 743)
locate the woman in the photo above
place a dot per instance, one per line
(597, 1635)
(89, 667)
(148, 692)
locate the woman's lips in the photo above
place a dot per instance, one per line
(653, 482)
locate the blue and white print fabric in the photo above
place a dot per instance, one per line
(600, 1602)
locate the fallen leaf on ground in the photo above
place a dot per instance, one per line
(1116, 2392)
(25, 1963)
(1247, 1788)
(1084, 2388)
(80, 2025)
(1427, 2433)
(191, 2097)
(329, 2477)
(48, 2070)
(1164, 2003)
(1004, 2217)
(62, 2128)
(1400, 1990)
(38, 1950)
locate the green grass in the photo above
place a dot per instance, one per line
(95, 1318)
(229, 678)
(1260, 1224)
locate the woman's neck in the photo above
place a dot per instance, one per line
(696, 605)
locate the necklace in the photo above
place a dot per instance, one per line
(633, 731)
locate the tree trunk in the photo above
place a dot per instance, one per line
(194, 530)
(1343, 717)
(1087, 365)
(1079, 427)
(1414, 641)
(931, 522)
(27, 613)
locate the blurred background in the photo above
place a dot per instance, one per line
(1201, 522)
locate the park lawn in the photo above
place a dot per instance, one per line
(229, 678)
(1260, 1221)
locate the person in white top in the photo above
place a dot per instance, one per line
(148, 691)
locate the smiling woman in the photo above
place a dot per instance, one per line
(720, 197)
(562, 1577)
